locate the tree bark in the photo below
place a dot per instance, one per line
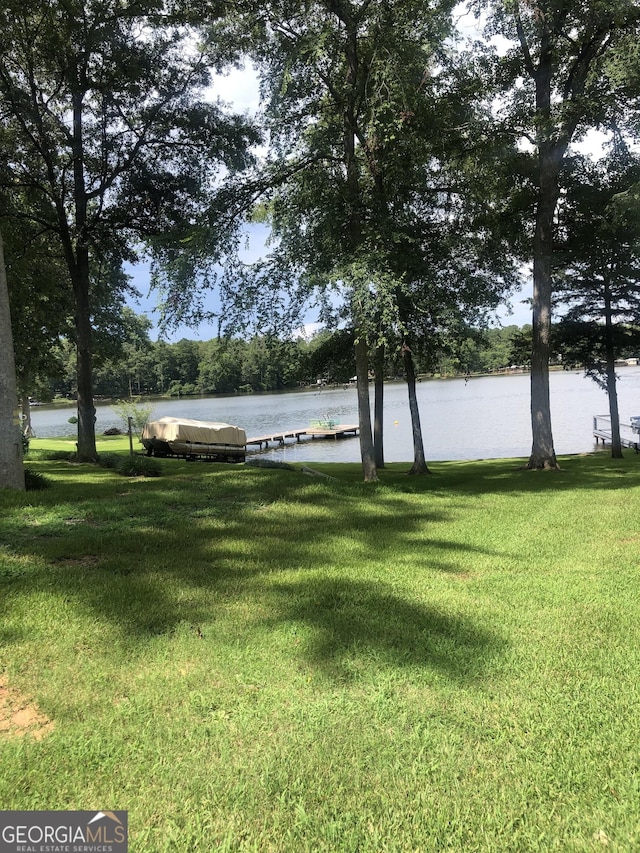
(542, 451)
(367, 453)
(612, 391)
(87, 451)
(79, 269)
(419, 462)
(378, 407)
(349, 129)
(11, 465)
(616, 444)
(550, 156)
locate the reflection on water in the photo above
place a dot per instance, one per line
(483, 417)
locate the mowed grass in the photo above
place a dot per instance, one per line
(259, 660)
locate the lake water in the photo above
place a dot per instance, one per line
(483, 417)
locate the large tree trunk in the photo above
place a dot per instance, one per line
(612, 391)
(616, 444)
(349, 127)
(367, 452)
(378, 407)
(11, 467)
(87, 451)
(419, 462)
(79, 270)
(542, 451)
(550, 155)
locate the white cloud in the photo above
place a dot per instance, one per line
(239, 88)
(307, 331)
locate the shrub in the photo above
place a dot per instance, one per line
(138, 466)
(182, 389)
(56, 455)
(25, 444)
(109, 460)
(34, 481)
(135, 410)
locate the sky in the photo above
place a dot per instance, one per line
(256, 236)
(516, 312)
(238, 88)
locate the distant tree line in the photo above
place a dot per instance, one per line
(142, 367)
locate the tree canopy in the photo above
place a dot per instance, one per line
(598, 275)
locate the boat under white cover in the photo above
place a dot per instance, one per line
(190, 438)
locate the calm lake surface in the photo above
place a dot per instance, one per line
(483, 417)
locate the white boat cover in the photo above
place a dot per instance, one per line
(198, 432)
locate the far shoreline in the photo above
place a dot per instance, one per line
(66, 403)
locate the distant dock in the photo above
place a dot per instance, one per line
(335, 431)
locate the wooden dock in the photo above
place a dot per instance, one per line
(337, 431)
(602, 432)
(278, 438)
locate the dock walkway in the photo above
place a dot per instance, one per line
(602, 432)
(279, 438)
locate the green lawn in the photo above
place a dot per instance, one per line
(251, 659)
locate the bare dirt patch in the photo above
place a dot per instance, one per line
(19, 716)
(87, 560)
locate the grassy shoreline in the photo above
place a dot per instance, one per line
(252, 659)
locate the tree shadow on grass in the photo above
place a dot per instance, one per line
(151, 556)
(354, 626)
(148, 558)
(581, 472)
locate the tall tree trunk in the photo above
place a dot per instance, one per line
(11, 467)
(612, 391)
(87, 451)
(542, 451)
(378, 407)
(550, 156)
(349, 128)
(419, 462)
(367, 452)
(616, 444)
(79, 270)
